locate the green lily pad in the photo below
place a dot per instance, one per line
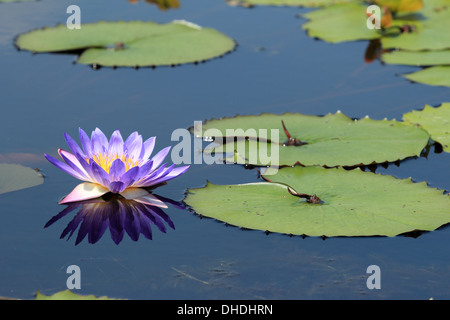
(339, 23)
(417, 58)
(434, 120)
(429, 34)
(347, 22)
(426, 46)
(401, 5)
(15, 177)
(354, 203)
(429, 24)
(69, 295)
(131, 44)
(435, 76)
(331, 140)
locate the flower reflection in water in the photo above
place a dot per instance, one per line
(121, 215)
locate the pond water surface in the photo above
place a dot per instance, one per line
(275, 68)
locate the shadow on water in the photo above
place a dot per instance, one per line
(122, 216)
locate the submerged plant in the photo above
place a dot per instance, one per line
(117, 166)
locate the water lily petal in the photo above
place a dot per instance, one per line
(130, 140)
(177, 171)
(173, 173)
(129, 177)
(85, 143)
(162, 173)
(115, 143)
(147, 149)
(133, 146)
(99, 142)
(116, 187)
(73, 162)
(86, 167)
(160, 156)
(116, 170)
(145, 180)
(74, 147)
(144, 171)
(84, 191)
(99, 174)
(64, 167)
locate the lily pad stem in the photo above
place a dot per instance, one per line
(309, 198)
(291, 141)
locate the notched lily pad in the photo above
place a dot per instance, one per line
(131, 44)
(15, 177)
(330, 140)
(436, 121)
(353, 203)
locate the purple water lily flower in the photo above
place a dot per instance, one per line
(116, 166)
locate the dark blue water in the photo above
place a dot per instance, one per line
(276, 68)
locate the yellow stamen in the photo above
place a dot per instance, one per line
(105, 160)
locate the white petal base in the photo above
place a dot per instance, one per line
(84, 191)
(87, 191)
